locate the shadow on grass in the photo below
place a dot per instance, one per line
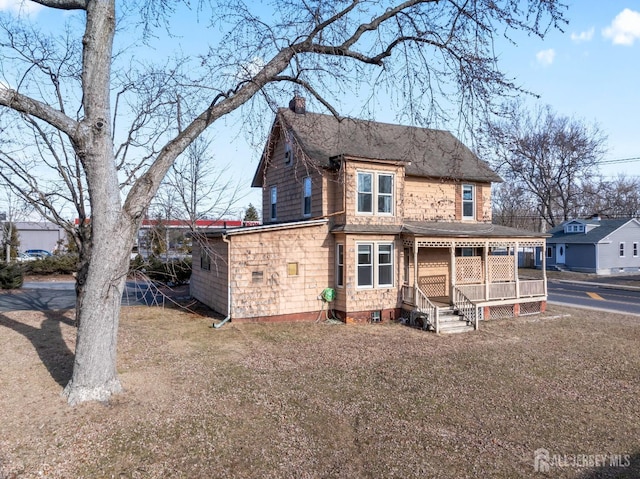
(48, 343)
(616, 466)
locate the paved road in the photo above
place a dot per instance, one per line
(44, 296)
(595, 295)
(61, 295)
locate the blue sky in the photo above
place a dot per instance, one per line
(590, 71)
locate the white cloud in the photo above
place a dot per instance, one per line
(20, 7)
(583, 36)
(248, 70)
(546, 57)
(625, 28)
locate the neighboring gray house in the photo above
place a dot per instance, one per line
(595, 246)
(39, 235)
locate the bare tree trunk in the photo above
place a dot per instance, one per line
(94, 372)
(84, 259)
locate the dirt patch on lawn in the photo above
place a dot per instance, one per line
(316, 400)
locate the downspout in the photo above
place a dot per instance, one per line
(228, 318)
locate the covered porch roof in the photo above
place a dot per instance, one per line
(471, 231)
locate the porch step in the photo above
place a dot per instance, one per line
(451, 322)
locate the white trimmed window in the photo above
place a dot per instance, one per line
(365, 265)
(468, 202)
(365, 193)
(385, 193)
(340, 265)
(306, 197)
(375, 265)
(622, 249)
(635, 250)
(274, 203)
(375, 189)
(385, 265)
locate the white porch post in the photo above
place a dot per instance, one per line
(543, 249)
(452, 273)
(415, 271)
(515, 265)
(487, 280)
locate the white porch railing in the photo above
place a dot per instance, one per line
(534, 287)
(474, 292)
(427, 307)
(466, 307)
(503, 290)
(407, 294)
(415, 297)
(506, 290)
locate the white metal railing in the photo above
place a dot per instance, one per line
(465, 307)
(425, 306)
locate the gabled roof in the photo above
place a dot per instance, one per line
(427, 152)
(601, 229)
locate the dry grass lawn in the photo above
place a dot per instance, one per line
(324, 401)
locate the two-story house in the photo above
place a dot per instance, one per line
(395, 219)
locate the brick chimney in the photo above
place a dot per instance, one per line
(298, 104)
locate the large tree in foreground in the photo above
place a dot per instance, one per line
(418, 51)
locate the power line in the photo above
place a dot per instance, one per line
(620, 160)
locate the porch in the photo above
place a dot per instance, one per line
(471, 278)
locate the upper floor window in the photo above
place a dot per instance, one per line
(288, 151)
(574, 229)
(635, 250)
(365, 192)
(385, 193)
(274, 202)
(622, 249)
(378, 186)
(306, 197)
(468, 202)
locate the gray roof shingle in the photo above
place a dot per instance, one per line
(430, 153)
(603, 229)
(458, 229)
